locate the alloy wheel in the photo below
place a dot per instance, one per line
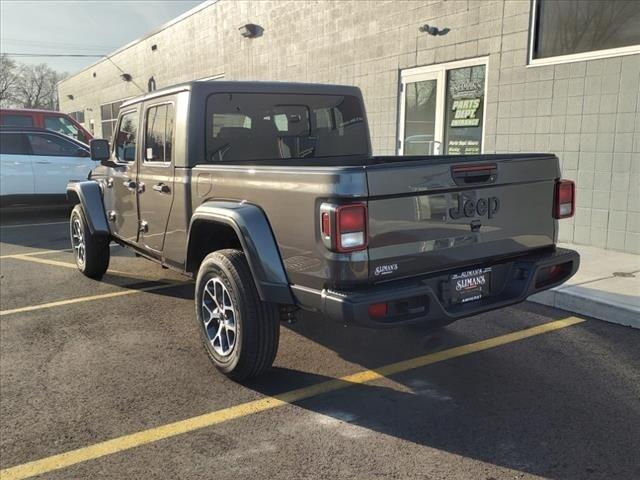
(219, 317)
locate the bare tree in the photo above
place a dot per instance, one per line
(37, 87)
(8, 80)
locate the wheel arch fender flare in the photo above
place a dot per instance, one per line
(258, 243)
(89, 195)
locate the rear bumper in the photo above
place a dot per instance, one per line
(425, 299)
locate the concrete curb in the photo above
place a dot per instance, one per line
(582, 301)
(606, 287)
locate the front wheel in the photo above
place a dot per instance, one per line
(240, 331)
(90, 251)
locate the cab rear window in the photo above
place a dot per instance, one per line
(258, 126)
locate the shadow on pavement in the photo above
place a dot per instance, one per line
(533, 406)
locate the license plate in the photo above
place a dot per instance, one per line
(470, 285)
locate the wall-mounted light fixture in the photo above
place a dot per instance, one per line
(154, 47)
(435, 31)
(94, 74)
(151, 84)
(126, 77)
(70, 97)
(251, 30)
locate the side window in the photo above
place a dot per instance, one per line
(61, 125)
(159, 133)
(17, 120)
(14, 144)
(126, 137)
(43, 144)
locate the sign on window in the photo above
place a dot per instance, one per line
(464, 110)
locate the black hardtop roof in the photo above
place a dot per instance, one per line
(203, 88)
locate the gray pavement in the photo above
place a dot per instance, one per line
(563, 404)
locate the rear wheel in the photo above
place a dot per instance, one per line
(240, 331)
(90, 251)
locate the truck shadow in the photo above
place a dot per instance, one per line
(532, 406)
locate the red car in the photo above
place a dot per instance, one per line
(56, 121)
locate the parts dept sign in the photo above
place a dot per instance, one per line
(465, 113)
(465, 105)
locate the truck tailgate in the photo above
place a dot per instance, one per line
(439, 213)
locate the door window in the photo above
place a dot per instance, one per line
(17, 120)
(420, 117)
(126, 137)
(61, 125)
(159, 133)
(50, 145)
(14, 144)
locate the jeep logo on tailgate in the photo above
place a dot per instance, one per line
(470, 208)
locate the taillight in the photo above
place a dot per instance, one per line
(565, 199)
(344, 227)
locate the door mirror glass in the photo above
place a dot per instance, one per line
(99, 149)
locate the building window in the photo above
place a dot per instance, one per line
(574, 30)
(109, 116)
(77, 116)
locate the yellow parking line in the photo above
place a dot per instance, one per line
(30, 254)
(57, 263)
(89, 298)
(21, 225)
(110, 447)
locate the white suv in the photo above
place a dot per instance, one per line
(36, 165)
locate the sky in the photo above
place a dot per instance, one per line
(79, 27)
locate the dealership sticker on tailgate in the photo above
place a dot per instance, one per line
(470, 285)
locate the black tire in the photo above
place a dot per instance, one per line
(256, 323)
(95, 261)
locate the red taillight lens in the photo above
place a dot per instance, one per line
(565, 199)
(377, 310)
(351, 226)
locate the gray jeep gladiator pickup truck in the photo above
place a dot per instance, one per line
(268, 195)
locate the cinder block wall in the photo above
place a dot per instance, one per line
(585, 112)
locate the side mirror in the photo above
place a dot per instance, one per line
(99, 149)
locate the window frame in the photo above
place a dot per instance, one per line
(113, 120)
(439, 72)
(118, 123)
(208, 114)
(173, 133)
(571, 57)
(59, 137)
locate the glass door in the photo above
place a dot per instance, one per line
(421, 106)
(442, 108)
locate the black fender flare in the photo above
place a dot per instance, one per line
(257, 240)
(89, 195)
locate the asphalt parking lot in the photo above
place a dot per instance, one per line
(109, 380)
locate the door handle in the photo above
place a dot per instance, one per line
(130, 184)
(162, 188)
(43, 163)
